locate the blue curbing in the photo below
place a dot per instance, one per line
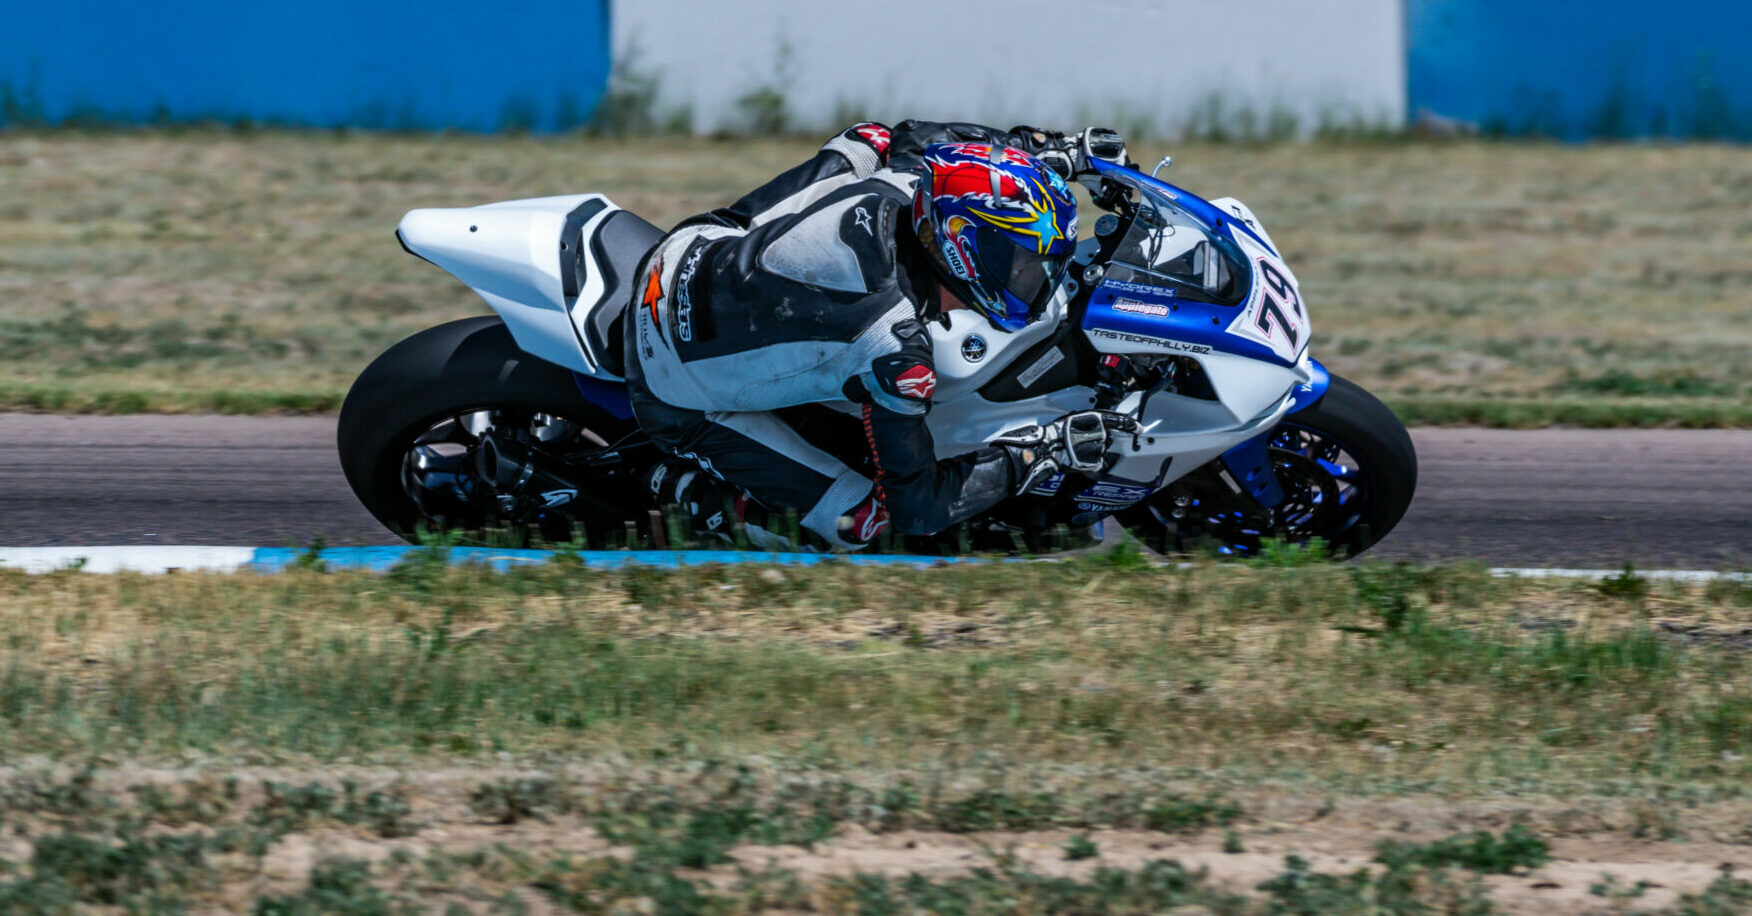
(378, 559)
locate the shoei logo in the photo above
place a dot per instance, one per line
(917, 382)
(973, 348)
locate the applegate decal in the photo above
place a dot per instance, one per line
(1140, 308)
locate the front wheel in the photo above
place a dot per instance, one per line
(1347, 468)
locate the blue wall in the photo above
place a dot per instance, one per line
(1585, 68)
(401, 64)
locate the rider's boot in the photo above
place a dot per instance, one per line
(710, 508)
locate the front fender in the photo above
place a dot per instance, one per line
(1250, 462)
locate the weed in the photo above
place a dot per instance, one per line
(128, 870)
(1626, 584)
(1080, 847)
(1725, 896)
(1609, 887)
(509, 801)
(291, 807)
(1232, 842)
(1482, 851)
(1387, 590)
(1299, 891)
(338, 887)
(1279, 554)
(1178, 814)
(995, 809)
(1125, 554)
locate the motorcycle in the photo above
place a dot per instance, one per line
(1178, 312)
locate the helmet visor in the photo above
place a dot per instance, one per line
(1026, 275)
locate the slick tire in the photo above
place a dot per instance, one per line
(1366, 429)
(452, 369)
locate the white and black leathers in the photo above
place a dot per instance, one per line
(811, 288)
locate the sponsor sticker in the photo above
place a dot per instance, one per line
(1140, 308)
(1050, 485)
(1154, 343)
(1111, 494)
(1046, 361)
(1141, 289)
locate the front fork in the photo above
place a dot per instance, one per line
(1249, 463)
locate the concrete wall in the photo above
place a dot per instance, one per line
(1140, 65)
(1585, 68)
(471, 64)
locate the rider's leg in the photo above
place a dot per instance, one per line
(766, 457)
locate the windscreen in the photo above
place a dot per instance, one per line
(1168, 248)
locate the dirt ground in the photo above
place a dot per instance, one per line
(1665, 849)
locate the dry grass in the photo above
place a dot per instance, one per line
(213, 271)
(741, 740)
(1367, 677)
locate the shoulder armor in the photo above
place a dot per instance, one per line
(845, 243)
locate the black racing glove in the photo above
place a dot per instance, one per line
(1076, 442)
(1050, 147)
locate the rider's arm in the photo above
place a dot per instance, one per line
(1067, 155)
(922, 495)
(854, 153)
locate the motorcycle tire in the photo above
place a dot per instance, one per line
(446, 371)
(1370, 445)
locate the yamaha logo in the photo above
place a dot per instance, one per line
(973, 348)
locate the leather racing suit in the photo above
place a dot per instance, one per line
(813, 287)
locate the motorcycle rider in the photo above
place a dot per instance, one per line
(820, 286)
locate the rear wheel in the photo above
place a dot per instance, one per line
(1347, 468)
(457, 429)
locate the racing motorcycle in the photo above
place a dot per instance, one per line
(1178, 312)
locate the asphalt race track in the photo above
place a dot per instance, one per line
(1590, 498)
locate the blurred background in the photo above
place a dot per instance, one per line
(1162, 68)
(1503, 213)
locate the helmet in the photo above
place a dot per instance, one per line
(1000, 227)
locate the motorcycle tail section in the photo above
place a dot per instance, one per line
(556, 269)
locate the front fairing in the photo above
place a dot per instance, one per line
(1198, 274)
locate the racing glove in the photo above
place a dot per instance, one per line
(1053, 149)
(1076, 442)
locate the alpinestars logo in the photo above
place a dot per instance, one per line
(874, 134)
(684, 294)
(917, 382)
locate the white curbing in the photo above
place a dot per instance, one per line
(152, 559)
(165, 559)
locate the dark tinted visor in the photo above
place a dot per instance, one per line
(1028, 276)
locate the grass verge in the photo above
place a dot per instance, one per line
(1362, 675)
(1085, 736)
